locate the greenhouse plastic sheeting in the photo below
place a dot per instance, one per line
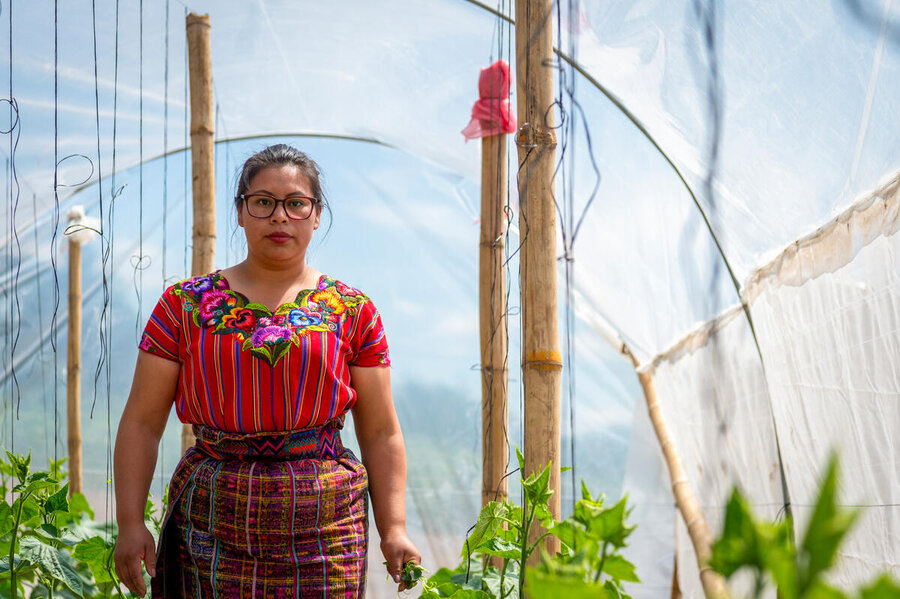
(807, 98)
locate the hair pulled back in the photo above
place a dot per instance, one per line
(281, 155)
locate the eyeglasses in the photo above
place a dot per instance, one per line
(260, 205)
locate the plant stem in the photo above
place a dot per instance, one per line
(602, 561)
(502, 576)
(760, 584)
(12, 547)
(523, 547)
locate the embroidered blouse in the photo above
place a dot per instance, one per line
(247, 369)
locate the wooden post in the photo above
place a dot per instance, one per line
(202, 157)
(492, 313)
(701, 538)
(541, 357)
(73, 358)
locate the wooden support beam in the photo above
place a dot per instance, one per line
(701, 538)
(202, 157)
(73, 368)
(492, 318)
(541, 356)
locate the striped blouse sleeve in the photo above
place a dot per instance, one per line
(368, 344)
(162, 334)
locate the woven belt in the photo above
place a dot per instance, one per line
(319, 442)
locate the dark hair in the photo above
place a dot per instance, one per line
(282, 155)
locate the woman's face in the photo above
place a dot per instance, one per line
(278, 238)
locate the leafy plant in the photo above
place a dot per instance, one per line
(50, 545)
(587, 565)
(769, 551)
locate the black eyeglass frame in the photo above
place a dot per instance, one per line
(313, 201)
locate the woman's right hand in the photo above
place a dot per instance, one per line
(135, 544)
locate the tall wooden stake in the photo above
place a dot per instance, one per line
(73, 366)
(541, 357)
(492, 312)
(202, 158)
(701, 538)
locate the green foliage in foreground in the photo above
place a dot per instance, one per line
(587, 565)
(768, 550)
(49, 543)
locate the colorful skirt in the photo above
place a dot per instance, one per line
(275, 515)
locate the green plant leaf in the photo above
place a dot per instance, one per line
(620, 568)
(441, 576)
(609, 525)
(30, 487)
(519, 457)
(95, 553)
(459, 580)
(51, 564)
(614, 588)
(500, 548)
(883, 588)
(489, 521)
(491, 580)
(570, 534)
(827, 527)
(537, 486)
(18, 560)
(779, 556)
(821, 590)
(19, 465)
(79, 504)
(739, 543)
(7, 521)
(58, 501)
(546, 585)
(469, 594)
(585, 492)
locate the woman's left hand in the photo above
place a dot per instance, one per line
(398, 549)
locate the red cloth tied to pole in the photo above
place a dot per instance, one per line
(492, 114)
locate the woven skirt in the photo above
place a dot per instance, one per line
(276, 515)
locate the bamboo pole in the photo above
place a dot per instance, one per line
(73, 362)
(492, 317)
(202, 157)
(701, 538)
(541, 357)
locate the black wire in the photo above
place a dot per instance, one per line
(165, 243)
(140, 264)
(53, 247)
(187, 178)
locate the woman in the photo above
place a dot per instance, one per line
(264, 358)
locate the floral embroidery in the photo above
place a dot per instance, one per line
(212, 303)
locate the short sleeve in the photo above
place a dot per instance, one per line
(369, 343)
(163, 331)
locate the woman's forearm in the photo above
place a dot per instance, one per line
(385, 460)
(134, 460)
